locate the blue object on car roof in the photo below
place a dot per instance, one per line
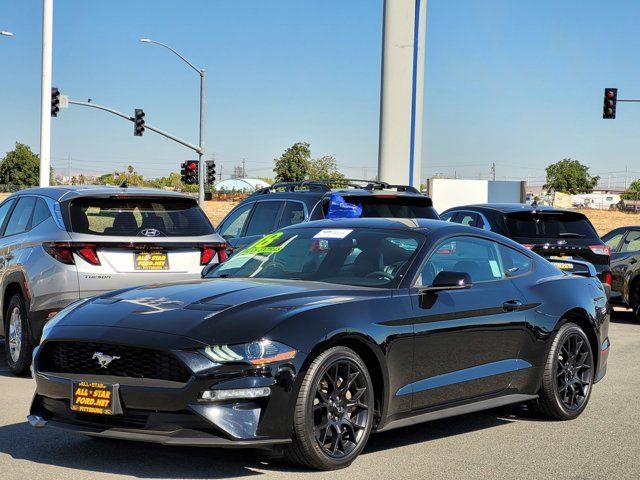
(340, 208)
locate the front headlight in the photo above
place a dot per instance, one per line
(257, 353)
(46, 330)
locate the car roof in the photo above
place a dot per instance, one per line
(68, 192)
(510, 207)
(420, 224)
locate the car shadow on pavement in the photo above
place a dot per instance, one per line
(622, 315)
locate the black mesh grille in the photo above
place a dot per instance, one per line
(134, 362)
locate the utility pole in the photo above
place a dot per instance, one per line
(244, 170)
(626, 171)
(45, 97)
(493, 171)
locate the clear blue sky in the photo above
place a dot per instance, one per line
(518, 83)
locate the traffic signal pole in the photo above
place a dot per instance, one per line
(146, 125)
(201, 165)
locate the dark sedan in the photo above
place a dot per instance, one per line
(625, 266)
(311, 338)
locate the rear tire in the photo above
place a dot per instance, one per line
(333, 413)
(634, 293)
(17, 336)
(568, 375)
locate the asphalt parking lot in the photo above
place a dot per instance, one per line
(508, 443)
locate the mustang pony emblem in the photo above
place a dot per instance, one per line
(104, 360)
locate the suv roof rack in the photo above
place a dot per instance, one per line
(324, 185)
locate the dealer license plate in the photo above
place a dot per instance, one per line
(92, 397)
(152, 261)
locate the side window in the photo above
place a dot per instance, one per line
(292, 214)
(40, 212)
(4, 210)
(478, 257)
(264, 218)
(19, 221)
(614, 240)
(514, 263)
(631, 243)
(232, 226)
(469, 219)
(447, 217)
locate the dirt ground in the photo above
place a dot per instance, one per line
(606, 220)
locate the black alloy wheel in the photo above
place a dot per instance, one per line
(635, 299)
(574, 371)
(340, 409)
(568, 375)
(334, 411)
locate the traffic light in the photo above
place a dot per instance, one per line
(55, 101)
(211, 172)
(610, 100)
(138, 122)
(189, 172)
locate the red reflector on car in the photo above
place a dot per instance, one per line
(60, 252)
(88, 252)
(608, 277)
(600, 249)
(209, 250)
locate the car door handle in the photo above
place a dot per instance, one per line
(511, 305)
(633, 260)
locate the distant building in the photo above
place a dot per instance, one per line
(240, 184)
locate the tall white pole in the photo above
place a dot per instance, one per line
(401, 91)
(45, 106)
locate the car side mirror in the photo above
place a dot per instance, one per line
(207, 269)
(447, 280)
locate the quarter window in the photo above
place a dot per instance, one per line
(478, 257)
(19, 221)
(40, 212)
(514, 263)
(614, 240)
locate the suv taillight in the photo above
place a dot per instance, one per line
(608, 277)
(600, 249)
(209, 250)
(63, 252)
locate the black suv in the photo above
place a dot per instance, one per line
(551, 232)
(287, 203)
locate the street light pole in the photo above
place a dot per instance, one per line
(45, 99)
(202, 73)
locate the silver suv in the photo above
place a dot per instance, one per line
(61, 244)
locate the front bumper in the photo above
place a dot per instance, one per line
(170, 413)
(170, 436)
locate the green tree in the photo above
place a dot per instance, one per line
(633, 192)
(324, 168)
(570, 176)
(20, 166)
(293, 164)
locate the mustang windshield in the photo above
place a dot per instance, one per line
(361, 257)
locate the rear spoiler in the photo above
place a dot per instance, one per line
(575, 267)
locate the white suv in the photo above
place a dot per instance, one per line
(61, 244)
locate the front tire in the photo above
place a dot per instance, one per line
(333, 413)
(635, 300)
(17, 336)
(568, 375)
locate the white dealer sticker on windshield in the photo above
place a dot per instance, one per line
(338, 233)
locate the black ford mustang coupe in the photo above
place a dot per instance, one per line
(317, 335)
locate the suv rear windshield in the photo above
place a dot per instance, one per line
(391, 206)
(549, 225)
(127, 217)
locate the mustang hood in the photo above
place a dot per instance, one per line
(222, 311)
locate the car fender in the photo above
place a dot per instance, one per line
(19, 278)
